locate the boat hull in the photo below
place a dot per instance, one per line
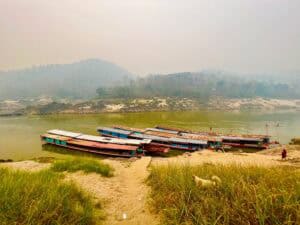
(107, 149)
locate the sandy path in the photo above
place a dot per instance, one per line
(125, 194)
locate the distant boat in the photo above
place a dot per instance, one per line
(233, 140)
(101, 145)
(172, 142)
(212, 142)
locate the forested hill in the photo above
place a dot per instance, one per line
(89, 78)
(77, 80)
(208, 83)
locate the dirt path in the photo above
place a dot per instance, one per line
(125, 194)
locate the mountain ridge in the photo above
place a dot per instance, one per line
(79, 79)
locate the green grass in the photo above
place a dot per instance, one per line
(247, 195)
(42, 198)
(85, 164)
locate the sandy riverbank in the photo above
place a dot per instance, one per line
(41, 107)
(126, 195)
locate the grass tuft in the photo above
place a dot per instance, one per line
(84, 164)
(42, 198)
(247, 195)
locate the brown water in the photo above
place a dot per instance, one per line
(19, 136)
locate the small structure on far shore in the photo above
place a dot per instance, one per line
(295, 141)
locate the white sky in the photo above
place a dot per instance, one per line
(150, 36)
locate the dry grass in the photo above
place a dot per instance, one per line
(42, 198)
(85, 164)
(247, 195)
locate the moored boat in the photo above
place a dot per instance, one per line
(233, 140)
(173, 142)
(212, 142)
(96, 144)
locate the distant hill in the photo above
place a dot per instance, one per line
(206, 84)
(77, 80)
(86, 78)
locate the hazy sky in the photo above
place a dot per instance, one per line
(149, 36)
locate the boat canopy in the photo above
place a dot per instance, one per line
(114, 130)
(64, 133)
(162, 131)
(147, 136)
(114, 140)
(190, 141)
(99, 139)
(240, 138)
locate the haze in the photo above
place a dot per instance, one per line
(153, 36)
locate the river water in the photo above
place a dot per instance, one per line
(19, 136)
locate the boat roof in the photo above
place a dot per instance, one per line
(240, 138)
(190, 138)
(58, 137)
(151, 137)
(172, 139)
(113, 140)
(189, 141)
(118, 127)
(161, 134)
(162, 131)
(64, 133)
(120, 131)
(164, 128)
(201, 137)
(98, 138)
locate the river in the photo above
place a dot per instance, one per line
(19, 136)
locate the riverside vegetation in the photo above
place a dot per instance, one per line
(42, 198)
(247, 195)
(45, 198)
(83, 164)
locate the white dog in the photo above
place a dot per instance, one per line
(207, 183)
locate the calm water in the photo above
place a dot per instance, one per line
(19, 136)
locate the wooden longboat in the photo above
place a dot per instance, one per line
(233, 140)
(150, 147)
(92, 144)
(212, 142)
(174, 142)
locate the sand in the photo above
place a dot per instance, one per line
(27, 165)
(125, 195)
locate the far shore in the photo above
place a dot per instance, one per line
(157, 104)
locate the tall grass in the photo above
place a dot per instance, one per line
(42, 198)
(84, 164)
(247, 195)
